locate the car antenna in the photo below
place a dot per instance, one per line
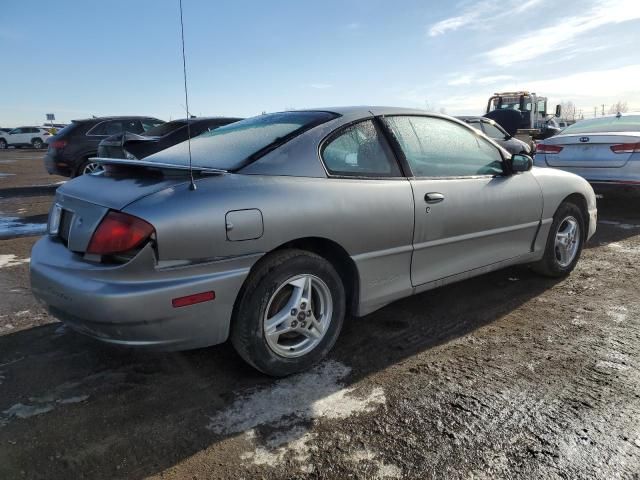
(192, 185)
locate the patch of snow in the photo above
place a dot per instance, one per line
(25, 411)
(295, 445)
(7, 174)
(306, 396)
(607, 365)
(513, 279)
(10, 260)
(385, 470)
(78, 399)
(618, 313)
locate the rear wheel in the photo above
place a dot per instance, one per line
(289, 313)
(565, 242)
(37, 143)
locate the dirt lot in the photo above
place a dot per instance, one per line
(508, 375)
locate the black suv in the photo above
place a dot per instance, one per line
(70, 150)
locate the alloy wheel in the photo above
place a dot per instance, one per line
(567, 241)
(298, 316)
(92, 167)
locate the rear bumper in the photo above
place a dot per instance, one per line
(131, 304)
(56, 165)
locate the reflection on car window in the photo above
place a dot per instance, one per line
(435, 147)
(164, 128)
(359, 151)
(150, 123)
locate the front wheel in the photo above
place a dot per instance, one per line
(37, 143)
(3, 144)
(565, 242)
(289, 314)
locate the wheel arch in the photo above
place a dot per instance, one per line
(331, 251)
(579, 201)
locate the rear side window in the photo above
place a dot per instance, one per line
(113, 127)
(360, 150)
(149, 123)
(435, 147)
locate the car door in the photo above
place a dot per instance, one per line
(468, 214)
(17, 136)
(379, 202)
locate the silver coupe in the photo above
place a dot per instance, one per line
(293, 221)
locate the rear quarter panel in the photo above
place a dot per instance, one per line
(371, 219)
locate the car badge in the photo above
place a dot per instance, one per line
(584, 139)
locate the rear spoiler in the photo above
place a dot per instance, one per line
(167, 166)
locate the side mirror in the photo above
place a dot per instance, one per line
(558, 111)
(520, 163)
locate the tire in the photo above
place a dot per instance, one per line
(559, 259)
(88, 167)
(37, 143)
(269, 290)
(3, 144)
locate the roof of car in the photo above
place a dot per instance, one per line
(365, 110)
(117, 117)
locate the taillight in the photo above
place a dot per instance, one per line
(543, 148)
(626, 148)
(119, 232)
(59, 144)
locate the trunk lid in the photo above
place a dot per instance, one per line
(590, 150)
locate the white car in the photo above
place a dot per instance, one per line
(35, 137)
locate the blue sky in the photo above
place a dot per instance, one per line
(81, 58)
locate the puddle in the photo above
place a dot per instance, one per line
(16, 226)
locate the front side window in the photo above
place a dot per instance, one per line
(435, 147)
(359, 151)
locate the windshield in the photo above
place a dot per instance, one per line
(626, 123)
(232, 146)
(512, 103)
(164, 128)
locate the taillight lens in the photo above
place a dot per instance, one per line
(59, 144)
(626, 148)
(548, 149)
(118, 233)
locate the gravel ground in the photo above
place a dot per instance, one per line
(508, 375)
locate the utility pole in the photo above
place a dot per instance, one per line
(595, 112)
(603, 109)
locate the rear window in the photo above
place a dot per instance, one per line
(67, 129)
(235, 145)
(163, 129)
(625, 123)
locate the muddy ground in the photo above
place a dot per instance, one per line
(508, 375)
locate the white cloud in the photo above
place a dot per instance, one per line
(481, 14)
(461, 80)
(320, 86)
(560, 35)
(469, 79)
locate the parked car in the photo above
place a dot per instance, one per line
(163, 136)
(494, 131)
(72, 147)
(604, 150)
(35, 137)
(296, 220)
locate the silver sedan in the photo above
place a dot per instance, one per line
(293, 221)
(604, 150)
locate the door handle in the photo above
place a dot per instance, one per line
(433, 197)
